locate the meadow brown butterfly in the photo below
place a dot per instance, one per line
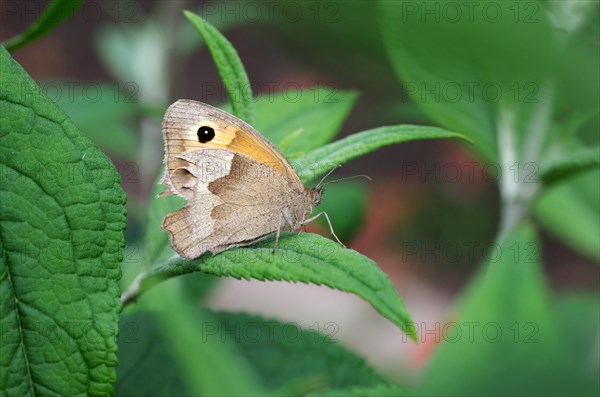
(239, 188)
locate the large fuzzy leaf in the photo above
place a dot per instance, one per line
(61, 222)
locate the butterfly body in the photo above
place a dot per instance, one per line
(239, 188)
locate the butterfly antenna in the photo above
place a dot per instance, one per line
(326, 175)
(349, 177)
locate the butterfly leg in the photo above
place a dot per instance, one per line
(328, 222)
(276, 239)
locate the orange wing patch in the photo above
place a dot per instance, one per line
(184, 118)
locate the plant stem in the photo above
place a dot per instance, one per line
(145, 280)
(516, 193)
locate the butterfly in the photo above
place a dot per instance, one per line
(239, 188)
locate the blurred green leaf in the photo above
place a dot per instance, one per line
(195, 362)
(287, 360)
(284, 354)
(135, 55)
(504, 79)
(299, 121)
(462, 62)
(300, 257)
(505, 335)
(187, 40)
(156, 240)
(381, 390)
(333, 38)
(323, 159)
(570, 211)
(56, 12)
(318, 113)
(581, 309)
(572, 164)
(105, 114)
(570, 16)
(62, 221)
(230, 67)
(147, 364)
(346, 204)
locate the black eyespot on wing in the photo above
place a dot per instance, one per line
(205, 134)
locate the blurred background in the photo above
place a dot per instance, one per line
(431, 211)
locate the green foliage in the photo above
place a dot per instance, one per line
(286, 359)
(156, 244)
(564, 168)
(316, 115)
(475, 54)
(304, 257)
(230, 68)
(323, 159)
(529, 55)
(104, 113)
(53, 15)
(569, 211)
(523, 91)
(208, 367)
(285, 353)
(381, 390)
(505, 336)
(62, 222)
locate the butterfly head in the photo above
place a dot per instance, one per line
(315, 195)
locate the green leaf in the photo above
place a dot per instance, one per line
(381, 390)
(298, 121)
(230, 68)
(143, 350)
(105, 114)
(570, 212)
(61, 231)
(52, 16)
(462, 69)
(581, 308)
(303, 257)
(209, 367)
(185, 358)
(286, 358)
(284, 354)
(323, 159)
(504, 333)
(318, 113)
(570, 165)
(156, 240)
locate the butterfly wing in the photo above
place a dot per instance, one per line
(181, 124)
(233, 202)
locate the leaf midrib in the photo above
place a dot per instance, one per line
(18, 315)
